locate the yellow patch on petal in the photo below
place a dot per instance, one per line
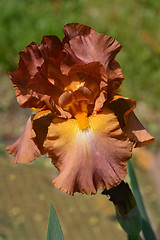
(106, 121)
(82, 120)
(64, 129)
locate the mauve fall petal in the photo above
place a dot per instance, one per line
(24, 149)
(89, 159)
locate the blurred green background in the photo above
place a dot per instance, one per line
(25, 191)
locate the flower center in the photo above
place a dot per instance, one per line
(82, 120)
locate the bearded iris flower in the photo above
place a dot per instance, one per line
(82, 124)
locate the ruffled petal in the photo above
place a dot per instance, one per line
(92, 74)
(30, 80)
(100, 101)
(93, 47)
(93, 69)
(82, 94)
(24, 149)
(115, 78)
(115, 74)
(89, 159)
(65, 99)
(27, 77)
(52, 48)
(72, 30)
(53, 54)
(92, 53)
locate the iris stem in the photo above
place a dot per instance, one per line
(133, 238)
(146, 225)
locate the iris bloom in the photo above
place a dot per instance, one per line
(82, 124)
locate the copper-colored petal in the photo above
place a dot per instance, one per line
(30, 80)
(136, 132)
(115, 78)
(63, 113)
(72, 30)
(51, 47)
(30, 60)
(83, 93)
(94, 47)
(65, 99)
(115, 73)
(94, 76)
(92, 69)
(24, 149)
(100, 101)
(70, 60)
(93, 72)
(89, 159)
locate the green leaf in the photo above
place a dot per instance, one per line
(133, 238)
(146, 225)
(54, 231)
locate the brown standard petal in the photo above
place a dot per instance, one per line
(89, 47)
(94, 47)
(72, 30)
(30, 80)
